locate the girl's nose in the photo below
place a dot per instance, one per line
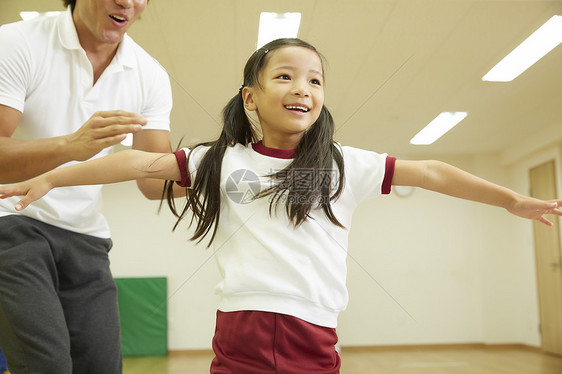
(299, 89)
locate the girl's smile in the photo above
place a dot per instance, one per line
(289, 96)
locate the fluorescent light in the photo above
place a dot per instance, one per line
(542, 41)
(278, 25)
(438, 127)
(28, 15)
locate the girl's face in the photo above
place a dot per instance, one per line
(290, 98)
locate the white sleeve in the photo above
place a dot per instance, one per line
(158, 105)
(189, 171)
(15, 68)
(367, 174)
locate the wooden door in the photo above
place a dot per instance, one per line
(549, 261)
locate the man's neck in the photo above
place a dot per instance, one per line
(100, 54)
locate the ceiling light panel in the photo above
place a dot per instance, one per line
(277, 25)
(546, 38)
(438, 127)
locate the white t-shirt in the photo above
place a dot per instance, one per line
(46, 75)
(265, 262)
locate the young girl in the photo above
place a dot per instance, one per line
(278, 210)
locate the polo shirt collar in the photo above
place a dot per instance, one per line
(67, 31)
(125, 54)
(69, 39)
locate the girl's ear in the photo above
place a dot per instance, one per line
(248, 97)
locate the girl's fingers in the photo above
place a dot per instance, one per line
(23, 203)
(545, 221)
(10, 191)
(6, 192)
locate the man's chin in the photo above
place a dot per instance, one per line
(113, 37)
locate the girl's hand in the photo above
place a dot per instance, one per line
(31, 190)
(531, 208)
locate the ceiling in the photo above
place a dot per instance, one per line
(392, 66)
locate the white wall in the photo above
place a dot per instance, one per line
(145, 246)
(465, 272)
(427, 251)
(415, 256)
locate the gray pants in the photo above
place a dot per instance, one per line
(58, 300)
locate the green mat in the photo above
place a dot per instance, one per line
(143, 313)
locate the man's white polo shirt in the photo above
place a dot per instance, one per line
(45, 74)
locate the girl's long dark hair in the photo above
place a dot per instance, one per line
(72, 3)
(315, 155)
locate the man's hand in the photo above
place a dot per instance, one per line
(21, 160)
(102, 130)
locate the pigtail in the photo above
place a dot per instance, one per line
(203, 197)
(310, 180)
(328, 182)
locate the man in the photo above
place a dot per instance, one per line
(71, 86)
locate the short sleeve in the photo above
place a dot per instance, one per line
(368, 174)
(14, 68)
(188, 162)
(158, 106)
(388, 175)
(181, 158)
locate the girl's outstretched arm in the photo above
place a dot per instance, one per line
(117, 167)
(441, 177)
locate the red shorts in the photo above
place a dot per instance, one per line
(253, 342)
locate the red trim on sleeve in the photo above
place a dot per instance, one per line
(181, 158)
(388, 174)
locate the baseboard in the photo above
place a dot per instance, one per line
(374, 348)
(451, 346)
(191, 352)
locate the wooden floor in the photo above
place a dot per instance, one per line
(457, 359)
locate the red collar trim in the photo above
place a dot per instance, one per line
(273, 152)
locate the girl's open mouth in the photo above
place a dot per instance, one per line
(297, 108)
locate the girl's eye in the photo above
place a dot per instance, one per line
(284, 76)
(316, 81)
